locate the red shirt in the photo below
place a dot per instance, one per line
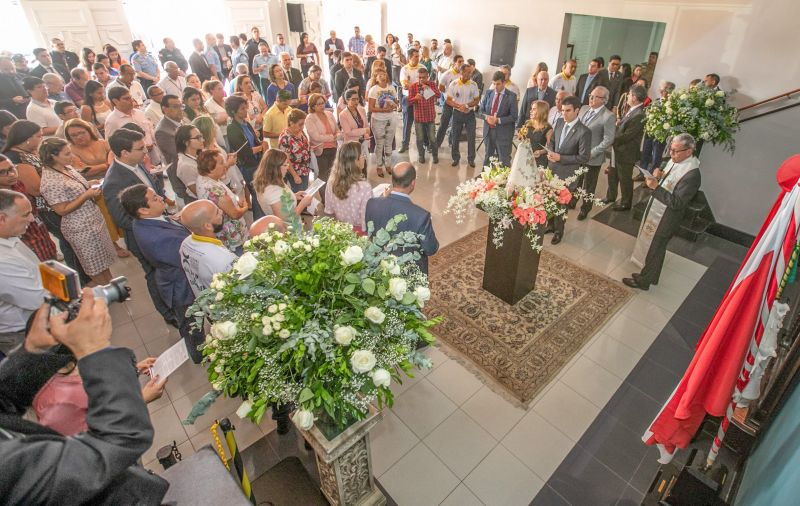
(36, 237)
(424, 109)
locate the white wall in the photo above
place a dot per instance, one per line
(752, 44)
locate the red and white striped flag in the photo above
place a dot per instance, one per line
(708, 384)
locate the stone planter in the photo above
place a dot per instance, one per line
(345, 463)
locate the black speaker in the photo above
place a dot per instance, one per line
(296, 15)
(504, 45)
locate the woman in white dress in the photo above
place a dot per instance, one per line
(270, 185)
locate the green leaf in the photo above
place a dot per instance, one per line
(251, 345)
(409, 298)
(369, 286)
(352, 278)
(305, 395)
(382, 292)
(349, 289)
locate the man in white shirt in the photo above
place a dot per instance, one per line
(445, 60)
(21, 291)
(202, 254)
(409, 75)
(463, 95)
(40, 110)
(127, 80)
(125, 112)
(153, 110)
(555, 112)
(565, 80)
(173, 83)
(445, 78)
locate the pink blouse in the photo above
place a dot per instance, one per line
(320, 135)
(62, 404)
(350, 127)
(351, 210)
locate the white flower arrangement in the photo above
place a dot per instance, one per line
(702, 112)
(323, 320)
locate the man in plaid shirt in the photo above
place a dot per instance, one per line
(425, 113)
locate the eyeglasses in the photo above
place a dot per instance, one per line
(8, 172)
(678, 150)
(197, 138)
(597, 97)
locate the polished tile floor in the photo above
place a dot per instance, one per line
(449, 439)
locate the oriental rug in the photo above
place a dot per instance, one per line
(519, 348)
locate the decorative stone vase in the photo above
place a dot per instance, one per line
(345, 463)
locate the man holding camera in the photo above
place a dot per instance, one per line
(21, 291)
(98, 466)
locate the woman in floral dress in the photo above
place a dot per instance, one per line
(72, 197)
(294, 143)
(211, 171)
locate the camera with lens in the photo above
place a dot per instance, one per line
(64, 289)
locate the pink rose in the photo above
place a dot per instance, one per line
(564, 196)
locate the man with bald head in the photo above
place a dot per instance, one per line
(202, 254)
(555, 112)
(173, 83)
(265, 224)
(382, 209)
(539, 92)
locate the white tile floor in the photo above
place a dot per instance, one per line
(450, 439)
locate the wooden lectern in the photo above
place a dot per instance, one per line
(509, 272)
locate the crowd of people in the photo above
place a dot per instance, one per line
(185, 158)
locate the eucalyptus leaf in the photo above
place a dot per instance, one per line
(368, 285)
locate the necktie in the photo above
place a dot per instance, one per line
(496, 103)
(563, 135)
(588, 117)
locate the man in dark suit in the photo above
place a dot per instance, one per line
(63, 61)
(382, 209)
(45, 65)
(615, 79)
(99, 465)
(332, 44)
(569, 148)
(588, 81)
(602, 123)
(539, 92)
(335, 67)
(13, 97)
(343, 74)
(159, 239)
(293, 75)
(172, 108)
(499, 111)
(627, 149)
(198, 62)
(673, 188)
(126, 171)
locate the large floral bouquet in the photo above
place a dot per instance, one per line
(322, 319)
(702, 112)
(530, 206)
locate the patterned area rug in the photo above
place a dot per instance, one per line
(522, 347)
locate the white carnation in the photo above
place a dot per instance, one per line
(219, 296)
(362, 361)
(381, 378)
(344, 335)
(374, 315)
(352, 255)
(246, 264)
(284, 334)
(666, 126)
(272, 309)
(244, 408)
(267, 330)
(303, 418)
(398, 288)
(280, 248)
(315, 242)
(281, 306)
(684, 96)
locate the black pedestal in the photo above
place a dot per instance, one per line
(510, 271)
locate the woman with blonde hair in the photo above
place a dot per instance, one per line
(370, 49)
(347, 192)
(269, 183)
(91, 157)
(541, 66)
(539, 131)
(376, 66)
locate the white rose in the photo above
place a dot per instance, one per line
(219, 296)
(344, 335)
(307, 247)
(218, 369)
(212, 357)
(276, 325)
(684, 96)
(297, 245)
(362, 361)
(709, 102)
(279, 318)
(720, 93)
(381, 378)
(245, 408)
(246, 264)
(390, 266)
(666, 126)
(315, 242)
(280, 248)
(374, 315)
(423, 294)
(254, 316)
(281, 306)
(272, 309)
(284, 334)
(352, 255)
(217, 385)
(223, 330)
(267, 330)
(303, 419)
(398, 288)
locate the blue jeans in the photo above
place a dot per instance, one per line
(444, 124)
(463, 120)
(408, 120)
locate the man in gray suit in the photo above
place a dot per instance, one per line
(539, 92)
(568, 149)
(382, 209)
(172, 108)
(602, 123)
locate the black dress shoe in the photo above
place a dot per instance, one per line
(582, 215)
(421, 159)
(471, 164)
(620, 207)
(435, 159)
(556, 238)
(608, 201)
(455, 163)
(633, 283)
(636, 276)
(548, 229)
(403, 148)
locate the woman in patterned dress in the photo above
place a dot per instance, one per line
(294, 143)
(347, 191)
(72, 197)
(211, 170)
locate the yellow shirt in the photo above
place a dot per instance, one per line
(275, 122)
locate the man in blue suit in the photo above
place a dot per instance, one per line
(499, 110)
(382, 209)
(126, 171)
(159, 239)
